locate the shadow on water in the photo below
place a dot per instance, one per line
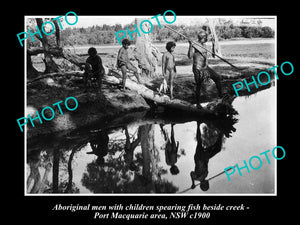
(142, 152)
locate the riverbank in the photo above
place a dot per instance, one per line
(97, 108)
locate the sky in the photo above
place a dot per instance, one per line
(85, 21)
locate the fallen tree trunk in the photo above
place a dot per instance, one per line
(113, 77)
(73, 58)
(162, 100)
(58, 52)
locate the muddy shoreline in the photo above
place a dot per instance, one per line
(96, 109)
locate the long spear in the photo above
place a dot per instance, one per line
(195, 43)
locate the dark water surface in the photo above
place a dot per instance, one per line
(138, 157)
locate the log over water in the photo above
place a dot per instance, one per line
(162, 100)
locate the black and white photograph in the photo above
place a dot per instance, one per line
(151, 105)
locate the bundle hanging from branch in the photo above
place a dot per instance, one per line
(215, 40)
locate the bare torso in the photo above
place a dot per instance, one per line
(200, 57)
(168, 62)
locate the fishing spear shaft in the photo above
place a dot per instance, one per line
(207, 180)
(195, 43)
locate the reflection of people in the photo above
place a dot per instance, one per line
(99, 146)
(171, 150)
(202, 156)
(129, 149)
(200, 69)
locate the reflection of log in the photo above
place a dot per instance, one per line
(136, 119)
(147, 144)
(150, 155)
(163, 100)
(144, 118)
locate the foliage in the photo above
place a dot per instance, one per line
(228, 32)
(105, 34)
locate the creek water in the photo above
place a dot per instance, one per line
(137, 157)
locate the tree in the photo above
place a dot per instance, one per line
(249, 32)
(50, 65)
(162, 34)
(267, 32)
(146, 53)
(237, 32)
(50, 47)
(117, 27)
(93, 40)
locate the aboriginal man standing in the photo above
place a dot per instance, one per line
(200, 67)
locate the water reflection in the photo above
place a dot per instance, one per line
(150, 153)
(171, 149)
(99, 145)
(208, 145)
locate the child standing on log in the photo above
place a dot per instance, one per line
(168, 65)
(123, 63)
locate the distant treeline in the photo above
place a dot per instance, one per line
(105, 34)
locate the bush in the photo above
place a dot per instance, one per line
(267, 32)
(228, 32)
(105, 34)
